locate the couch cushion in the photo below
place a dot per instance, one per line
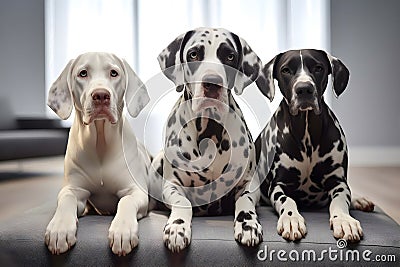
(7, 117)
(19, 144)
(22, 242)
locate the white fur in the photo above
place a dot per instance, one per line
(97, 169)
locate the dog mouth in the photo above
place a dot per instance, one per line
(100, 108)
(297, 107)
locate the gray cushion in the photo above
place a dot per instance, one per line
(22, 242)
(19, 144)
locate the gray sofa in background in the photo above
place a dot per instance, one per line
(29, 137)
(22, 242)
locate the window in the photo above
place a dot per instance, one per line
(139, 29)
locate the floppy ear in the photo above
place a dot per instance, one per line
(60, 96)
(136, 96)
(268, 88)
(250, 67)
(170, 60)
(340, 75)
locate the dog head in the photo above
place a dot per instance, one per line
(96, 84)
(209, 62)
(302, 77)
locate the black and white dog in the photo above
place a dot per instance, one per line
(209, 158)
(302, 152)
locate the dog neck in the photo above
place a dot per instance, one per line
(305, 123)
(101, 145)
(209, 123)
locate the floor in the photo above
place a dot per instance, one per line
(26, 184)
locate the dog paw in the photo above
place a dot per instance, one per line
(362, 204)
(123, 236)
(346, 227)
(177, 234)
(247, 229)
(60, 234)
(291, 226)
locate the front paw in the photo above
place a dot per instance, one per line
(123, 236)
(177, 234)
(60, 234)
(247, 229)
(291, 226)
(346, 227)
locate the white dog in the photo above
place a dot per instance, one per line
(97, 168)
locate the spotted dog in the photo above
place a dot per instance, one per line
(302, 150)
(209, 157)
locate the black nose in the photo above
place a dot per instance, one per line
(304, 89)
(101, 96)
(212, 81)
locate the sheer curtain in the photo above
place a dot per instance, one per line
(139, 29)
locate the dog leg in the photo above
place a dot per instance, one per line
(178, 230)
(291, 225)
(344, 226)
(60, 233)
(123, 231)
(247, 228)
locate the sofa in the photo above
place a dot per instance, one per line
(22, 242)
(29, 137)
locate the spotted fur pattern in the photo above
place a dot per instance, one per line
(302, 151)
(208, 159)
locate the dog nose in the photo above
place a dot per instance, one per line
(101, 96)
(305, 89)
(212, 81)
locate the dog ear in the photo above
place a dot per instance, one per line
(250, 68)
(268, 88)
(60, 96)
(340, 75)
(136, 96)
(170, 60)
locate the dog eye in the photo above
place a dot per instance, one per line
(83, 73)
(318, 69)
(231, 57)
(193, 55)
(285, 70)
(113, 73)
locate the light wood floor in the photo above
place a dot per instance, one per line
(26, 184)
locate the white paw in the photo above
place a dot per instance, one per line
(177, 234)
(60, 234)
(123, 235)
(346, 227)
(247, 229)
(291, 225)
(362, 204)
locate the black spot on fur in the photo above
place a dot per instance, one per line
(187, 155)
(246, 153)
(225, 145)
(243, 216)
(178, 221)
(242, 141)
(290, 213)
(277, 195)
(238, 172)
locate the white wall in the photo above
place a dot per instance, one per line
(22, 55)
(366, 36)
